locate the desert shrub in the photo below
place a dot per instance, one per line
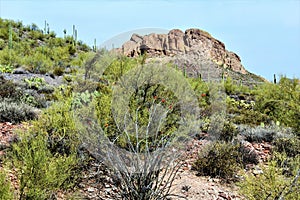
(219, 159)
(59, 123)
(32, 98)
(281, 102)
(290, 146)
(263, 133)
(9, 57)
(38, 63)
(271, 184)
(230, 87)
(5, 187)
(248, 156)
(39, 171)
(16, 112)
(58, 71)
(229, 131)
(8, 89)
(289, 165)
(244, 113)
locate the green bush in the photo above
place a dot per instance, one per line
(281, 102)
(290, 146)
(271, 184)
(5, 187)
(229, 131)
(39, 171)
(219, 159)
(59, 123)
(16, 112)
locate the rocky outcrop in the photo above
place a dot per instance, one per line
(191, 42)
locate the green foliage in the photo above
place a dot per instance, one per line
(38, 63)
(5, 187)
(290, 146)
(59, 123)
(40, 172)
(6, 68)
(219, 159)
(281, 102)
(244, 113)
(229, 131)
(9, 57)
(140, 104)
(28, 46)
(271, 184)
(83, 99)
(230, 87)
(34, 82)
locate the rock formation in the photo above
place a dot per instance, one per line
(193, 42)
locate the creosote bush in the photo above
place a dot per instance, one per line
(40, 171)
(46, 155)
(219, 159)
(290, 146)
(271, 184)
(5, 187)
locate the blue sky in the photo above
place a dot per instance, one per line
(265, 34)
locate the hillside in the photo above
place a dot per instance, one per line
(173, 116)
(37, 50)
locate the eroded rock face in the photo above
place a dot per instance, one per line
(190, 42)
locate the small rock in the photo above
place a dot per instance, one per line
(257, 170)
(20, 70)
(90, 189)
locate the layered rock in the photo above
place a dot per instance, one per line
(191, 42)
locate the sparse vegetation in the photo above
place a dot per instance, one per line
(48, 155)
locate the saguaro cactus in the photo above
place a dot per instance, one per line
(10, 45)
(95, 45)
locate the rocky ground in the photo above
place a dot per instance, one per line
(96, 184)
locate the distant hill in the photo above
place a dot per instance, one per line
(38, 50)
(196, 50)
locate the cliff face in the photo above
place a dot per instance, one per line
(193, 42)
